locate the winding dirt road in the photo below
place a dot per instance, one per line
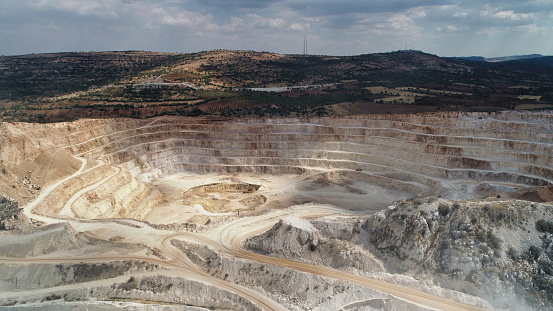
(227, 238)
(233, 235)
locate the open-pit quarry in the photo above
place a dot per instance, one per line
(375, 212)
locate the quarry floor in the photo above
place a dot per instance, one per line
(283, 196)
(310, 170)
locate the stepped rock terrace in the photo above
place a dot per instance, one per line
(361, 162)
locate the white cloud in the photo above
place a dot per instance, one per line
(399, 25)
(233, 24)
(254, 21)
(187, 19)
(513, 16)
(451, 29)
(51, 26)
(28, 26)
(103, 8)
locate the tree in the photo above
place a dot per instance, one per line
(444, 209)
(544, 226)
(8, 208)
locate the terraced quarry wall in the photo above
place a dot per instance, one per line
(128, 187)
(450, 154)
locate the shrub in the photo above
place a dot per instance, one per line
(547, 269)
(493, 241)
(501, 216)
(533, 253)
(53, 297)
(481, 236)
(8, 208)
(443, 209)
(513, 254)
(456, 205)
(544, 226)
(543, 283)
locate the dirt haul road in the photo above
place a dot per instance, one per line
(228, 238)
(234, 234)
(231, 238)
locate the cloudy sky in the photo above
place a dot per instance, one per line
(331, 27)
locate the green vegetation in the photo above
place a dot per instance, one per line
(8, 208)
(444, 209)
(481, 236)
(544, 226)
(68, 86)
(533, 253)
(31, 76)
(513, 254)
(493, 241)
(490, 239)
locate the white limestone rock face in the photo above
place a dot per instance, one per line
(41, 241)
(295, 290)
(486, 248)
(298, 239)
(405, 234)
(174, 290)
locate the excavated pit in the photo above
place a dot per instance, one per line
(176, 168)
(169, 175)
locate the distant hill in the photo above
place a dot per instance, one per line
(45, 75)
(40, 75)
(515, 57)
(538, 65)
(230, 83)
(475, 58)
(501, 58)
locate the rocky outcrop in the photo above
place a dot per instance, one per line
(422, 152)
(28, 164)
(36, 276)
(488, 248)
(17, 221)
(158, 289)
(297, 239)
(491, 248)
(295, 290)
(41, 241)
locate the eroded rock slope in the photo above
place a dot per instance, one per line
(456, 155)
(111, 172)
(500, 250)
